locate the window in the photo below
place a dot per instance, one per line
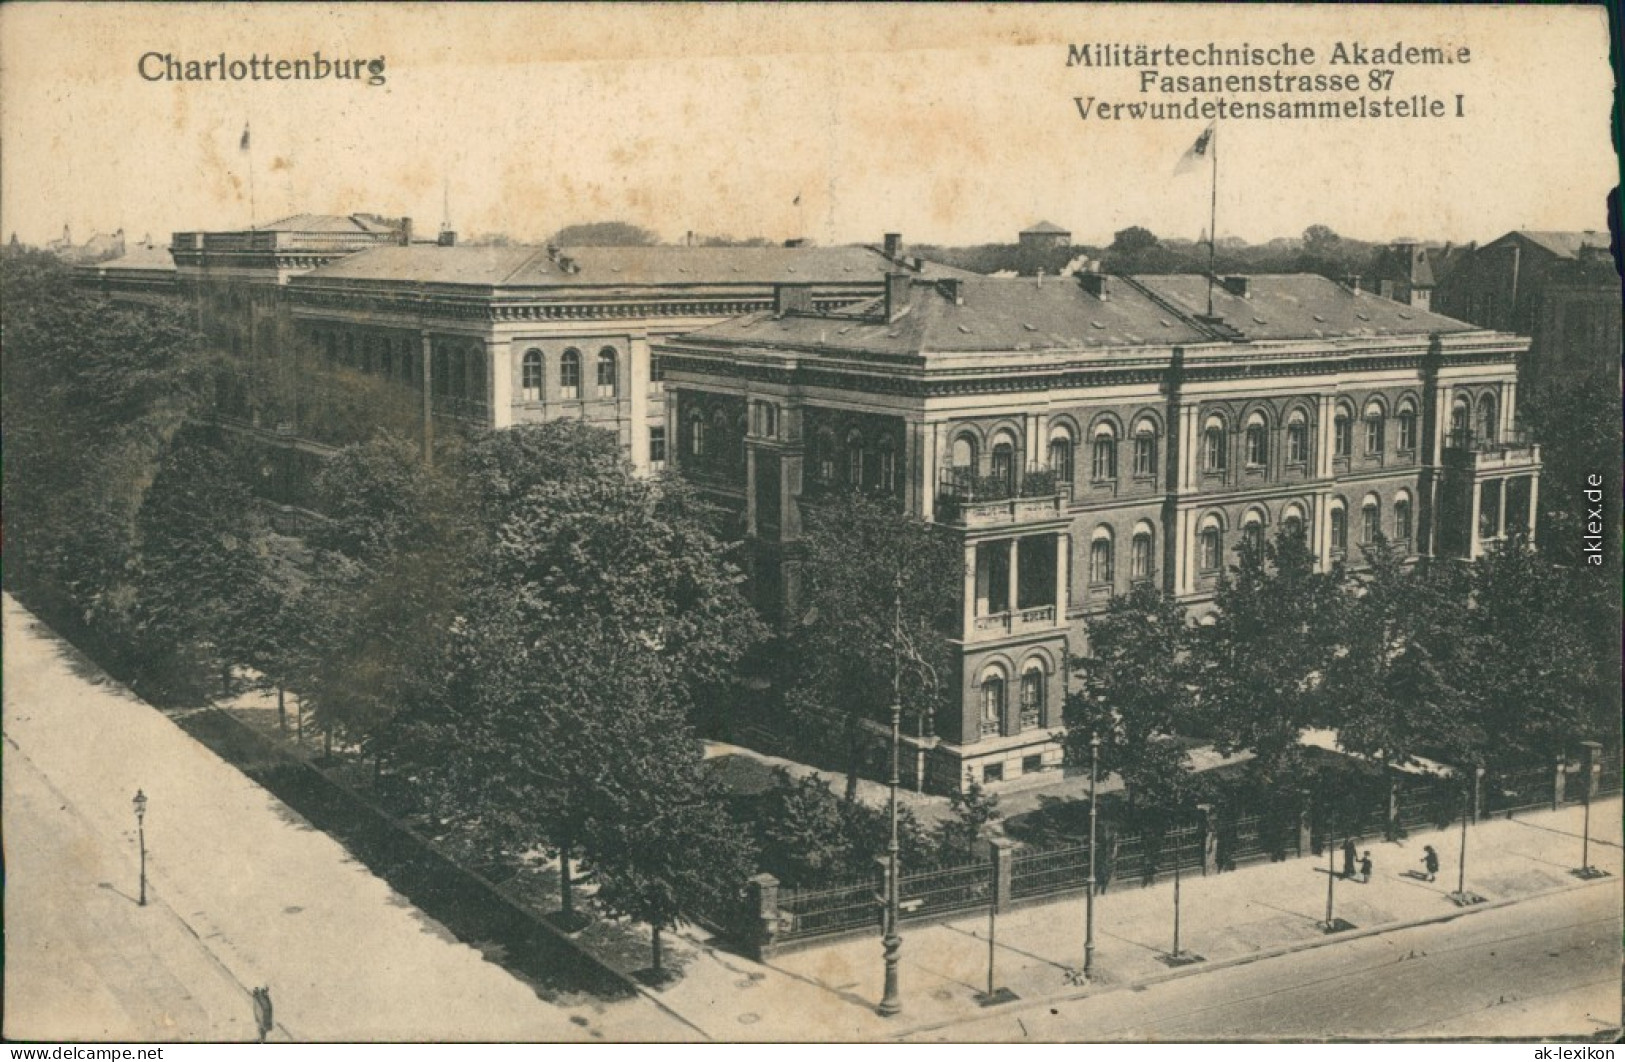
(888, 467)
(1004, 464)
(1402, 521)
(993, 772)
(1100, 558)
(606, 372)
(1407, 430)
(530, 376)
(1297, 440)
(1486, 419)
(657, 448)
(1252, 535)
(769, 414)
(1257, 443)
(1212, 547)
(826, 456)
(1342, 436)
(656, 373)
(964, 453)
(1374, 430)
(1143, 563)
(1292, 522)
(1145, 450)
(1032, 764)
(1458, 420)
(1105, 453)
(1213, 448)
(854, 459)
(1060, 457)
(1340, 530)
(1032, 696)
(1370, 522)
(992, 704)
(570, 376)
(696, 435)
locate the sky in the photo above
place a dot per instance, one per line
(951, 125)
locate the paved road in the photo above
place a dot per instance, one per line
(1545, 966)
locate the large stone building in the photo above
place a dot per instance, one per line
(1562, 289)
(1080, 436)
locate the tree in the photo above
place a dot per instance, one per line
(1321, 240)
(1264, 659)
(1133, 240)
(974, 811)
(864, 558)
(1135, 691)
(605, 234)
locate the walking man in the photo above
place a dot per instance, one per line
(1348, 858)
(1365, 868)
(1430, 861)
(262, 1011)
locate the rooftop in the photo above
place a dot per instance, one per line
(1563, 244)
(143, 257)
(1047, 228)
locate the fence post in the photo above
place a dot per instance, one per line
(1591, 763)
(1560, 772)
(1003, 853)
(1210, 839)
(764, 895)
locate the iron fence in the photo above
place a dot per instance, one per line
(944, 890)
(1426, 805)
(1518, 791)
(1609, 781)
(824, 912)
(1048, 872)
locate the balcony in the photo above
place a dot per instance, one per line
(975, 502)
(1014, 622)
(1468, 452)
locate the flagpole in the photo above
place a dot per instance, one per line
(248, 145)
(1212, 217)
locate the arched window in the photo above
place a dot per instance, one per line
(1460, 415)
(606, 372)
(826, 456)
(1101, 561)
(964, 453)
(1143, 561)
(1145, 448)
(1340, 528)
(1213, 456)
(1407, 427)
(1297, 438)
(856, 456)
(1004, 464)
(1292, 521)
(888, 465)
(1486, 418)
(1252, 532)
(696, 434)
(992, 703)
(1060, 455)
(1402, 520)
(530, 376)
(1210, 545)
(1258, 444)
(1105, 453)
(1032, 695)
(1375, 429)
(1370, 520)
(1342, 433)
(570, 374)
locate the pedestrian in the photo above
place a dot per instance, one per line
(1430, 861)
(1348, 858)
(262, 1011)
(1365, 868)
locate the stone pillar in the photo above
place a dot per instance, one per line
(1509, 398)
(1003, 858)
(763, 891)
(1013, 582)
(1189, 452)
(1534, 500)
(636, 400)
(1591, 768)
(750, 490)
(969, 628)
(674, 446)
(1325, 423)
(1501, 508)
(1210, 839)
(1063, 576)
(1475, 548)
(1306, 838)
(1033, 428)
(499, 383)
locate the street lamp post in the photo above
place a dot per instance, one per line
(891, 943)
(1585, 870)
(1461, 896)
(1089, 893)
(140, 805)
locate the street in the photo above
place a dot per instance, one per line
(1546, 966)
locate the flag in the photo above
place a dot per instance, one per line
(242, 145)
(1199, 152)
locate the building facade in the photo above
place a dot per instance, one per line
(1080, 436)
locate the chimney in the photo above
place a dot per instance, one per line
(447, 238)
(952, 289)
(1238, 286)
(792, 298)
(893, 245)
(897, 289)
(406, 232)
(1097, 284)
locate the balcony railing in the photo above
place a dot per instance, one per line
(1466, 449)
(970, 500)
(1015, 620)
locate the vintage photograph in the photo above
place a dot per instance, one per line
(697, 523)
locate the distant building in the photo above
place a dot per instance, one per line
(1559, 288)
(1042, 247)
(144, 272)
(1081, 436)
(1405, 274)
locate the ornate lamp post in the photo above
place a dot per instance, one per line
(140, 805)
(1089, 893)
(892, 944)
